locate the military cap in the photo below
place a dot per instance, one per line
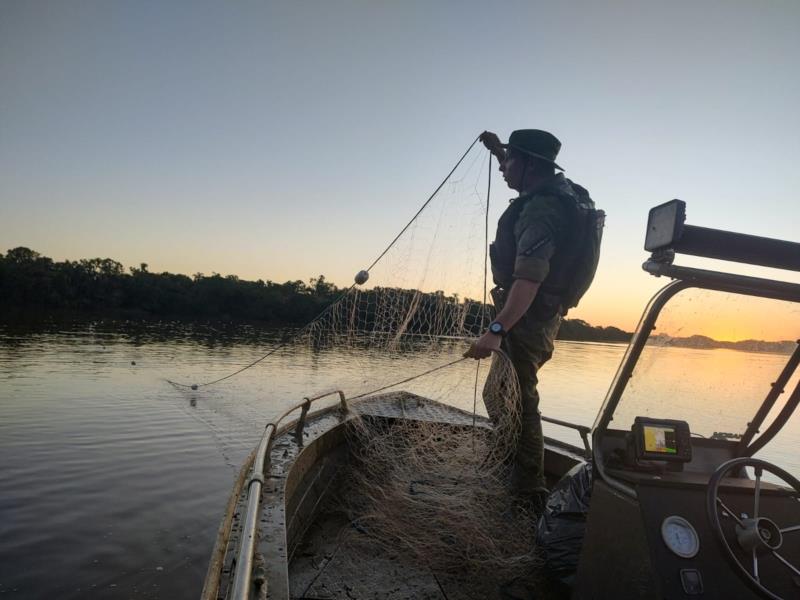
(537, 143)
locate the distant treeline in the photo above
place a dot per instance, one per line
(702, 342)
(581, 331)
(30, 282)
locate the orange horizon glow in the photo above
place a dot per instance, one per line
(616, 299)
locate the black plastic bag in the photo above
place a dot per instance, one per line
(562, 525)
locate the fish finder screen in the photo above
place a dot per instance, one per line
(660, 439)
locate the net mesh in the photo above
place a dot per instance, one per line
(424, 297)
(437, 495)
(431, 493)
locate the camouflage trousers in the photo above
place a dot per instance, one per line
(529, 345)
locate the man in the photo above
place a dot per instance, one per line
(541, 267)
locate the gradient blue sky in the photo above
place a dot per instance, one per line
(284, 140)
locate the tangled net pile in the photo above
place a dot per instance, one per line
(437, 495)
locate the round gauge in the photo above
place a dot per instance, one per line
(680, 536)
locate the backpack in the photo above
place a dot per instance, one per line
(582, 251)
(573, 268)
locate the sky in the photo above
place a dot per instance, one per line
(280, 141)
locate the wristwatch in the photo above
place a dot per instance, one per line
(496, 327)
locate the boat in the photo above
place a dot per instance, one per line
(670, 514)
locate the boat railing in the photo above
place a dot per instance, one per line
(256, 464)
(583, 430)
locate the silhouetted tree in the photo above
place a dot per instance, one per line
(31, 281)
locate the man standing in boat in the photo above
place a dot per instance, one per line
(543, 259)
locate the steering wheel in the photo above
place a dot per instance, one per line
(755, 535)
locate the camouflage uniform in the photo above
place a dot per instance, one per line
(529, 245)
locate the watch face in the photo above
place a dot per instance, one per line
(495, 328)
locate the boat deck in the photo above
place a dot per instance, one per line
(309, 548)
(335, 560)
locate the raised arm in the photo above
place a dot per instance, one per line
(493, 145)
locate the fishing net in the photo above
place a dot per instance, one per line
(429, 492)
(437, 495)
(432, 493)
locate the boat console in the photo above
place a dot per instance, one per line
(659, 440)
(677, 534)
(674, 514)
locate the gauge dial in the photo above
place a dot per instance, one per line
(680, 536)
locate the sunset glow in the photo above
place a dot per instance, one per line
(264, 142)
(729, 317)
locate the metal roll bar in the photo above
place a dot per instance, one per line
(727, 282)
(624, 373)
(777, 388)
(777, 424)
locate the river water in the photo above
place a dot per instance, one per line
(113, 481)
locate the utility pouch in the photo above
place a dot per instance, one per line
(498, 295)
(500, 273)
(545, 306)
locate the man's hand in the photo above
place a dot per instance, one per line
(483, 348)
(493, 144)
(520, 297)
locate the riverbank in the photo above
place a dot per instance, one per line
(37, 288)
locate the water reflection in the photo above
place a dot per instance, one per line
(112, 477)
(716, 385)
(714, 390)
